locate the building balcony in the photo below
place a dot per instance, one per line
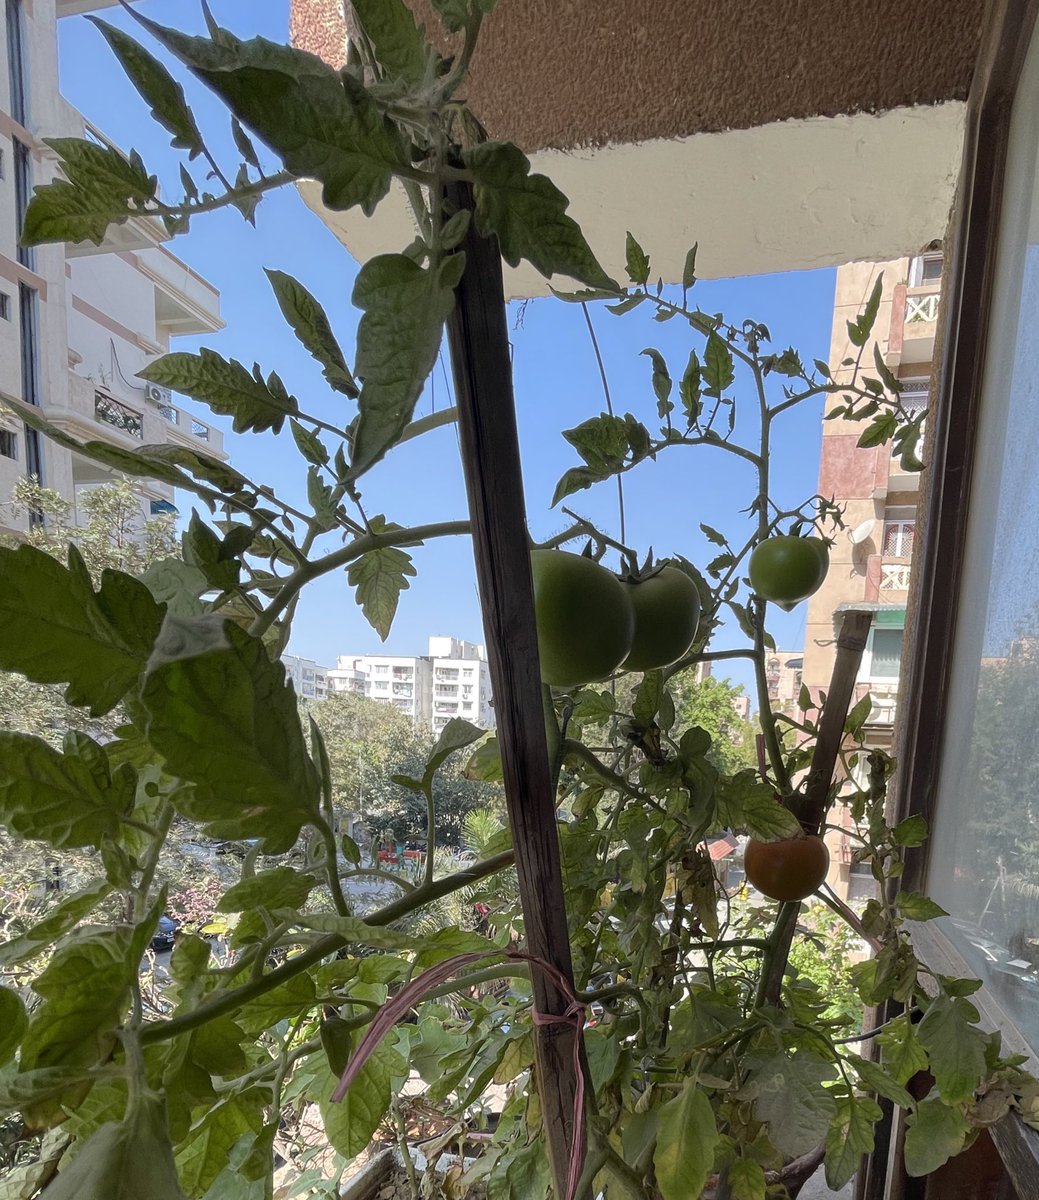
(894, 575)
(914, 322)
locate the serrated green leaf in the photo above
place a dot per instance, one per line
(204, 1153)
(103, 188)
(712, 535)
(910, 832)
(399, 43)
(934, 1134)
(955, 1047)
(601, 441)
(593, 708)
(788, 1097)
(405, 306)
(485, 762)
(281, 887)
(849, 1138)
(156, 86)
(13, 1023)
(54, 628)
(689, 268)
(225, 719)
(876, 1079)
(123, 1161)
(880, 430)
(686, 1141)
(636, 261)
(718, 371)
(661, 382)
(456, 735)
(309, 322)
(648, 697)
(323, 125)
(379, 577)
(858, 716)
(576, 480)
(286, 1001)
(915, 907)
(350, 1124)
(746, 804)
(527, 213)
(689, 388)
(58, 921)
(226, 387)
(860, 329)
(202, 550)
(24, 1090)
(65, 799)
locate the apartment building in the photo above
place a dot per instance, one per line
(451, 680)
(870, 561)
(77, 322)
(309, 678)
(783, 672)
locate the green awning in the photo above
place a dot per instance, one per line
(888, 616)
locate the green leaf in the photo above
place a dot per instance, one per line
(915, 907)
(485, 762)
(65, 799)
(712, 535)
(858, 715)
(55, 629)
(527, 213)
(25, 1090)
(285, 1001)
(689, 268)
(661, 382)
(103, 188)
(203, 551)
(887, 376)
(718, 371)
(58, 921)
(405, 306)
(226, 720)
(876, 1079)
(880, 430)
(576, 480)
(689, 388)
(747, 1180)
(379, 577)
(456, 735)
(934, 1134)
(787, 1095)
(601, 441)
(227, 387)
(281, 887)
(647, 699)
(13, 1023)
(903, 1055)
(849, 1137)
(955, 1047)
(910, 832)
(593, 708)
(205, 1151)
(350, 1124)
(686, 1142)
(157, 87)
(123, 1161)
(323, 125)
(310, 324)
(636, 261)
(860, 329)
(746, 804)
(400, 44)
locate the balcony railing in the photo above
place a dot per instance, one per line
(884, 698)
(922, 307)
(111, 412)
(894, 575)
(172, 414)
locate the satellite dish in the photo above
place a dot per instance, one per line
(861, 532)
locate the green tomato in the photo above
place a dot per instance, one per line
(667, 612)
(585, 620)
(788, 569)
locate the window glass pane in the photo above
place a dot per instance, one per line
(887, 653)
(984, 857)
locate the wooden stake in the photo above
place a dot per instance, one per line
(482, 369)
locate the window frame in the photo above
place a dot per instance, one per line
(968, 295)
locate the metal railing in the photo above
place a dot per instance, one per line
(110, 412)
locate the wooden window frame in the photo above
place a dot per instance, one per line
(969, 292)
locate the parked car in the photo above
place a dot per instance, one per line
(165, 935)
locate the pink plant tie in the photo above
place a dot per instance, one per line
(396, 1007)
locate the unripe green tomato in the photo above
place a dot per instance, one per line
(788, 569)
(788, 870)
(667, 612)
(585, 620)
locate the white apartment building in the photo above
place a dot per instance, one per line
(77, 322)
(309, 678)
(452, 680)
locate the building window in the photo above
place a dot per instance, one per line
(898, 539)
(925, 270)
(22, 196)
(8, 444)
(16, 66)
(5, 306)
(28, 318)
(885, 653)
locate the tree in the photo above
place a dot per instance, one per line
(710, 704)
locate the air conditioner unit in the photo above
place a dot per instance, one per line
(158, 394)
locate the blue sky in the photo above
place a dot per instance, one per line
(556, 382)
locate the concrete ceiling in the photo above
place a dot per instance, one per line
(779, 134)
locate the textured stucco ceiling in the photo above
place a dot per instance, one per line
(563, 73)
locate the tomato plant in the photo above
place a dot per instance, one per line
(667, 612)
(789, 869)
(788, 569)
(585, 619)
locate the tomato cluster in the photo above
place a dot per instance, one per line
(590, 623)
